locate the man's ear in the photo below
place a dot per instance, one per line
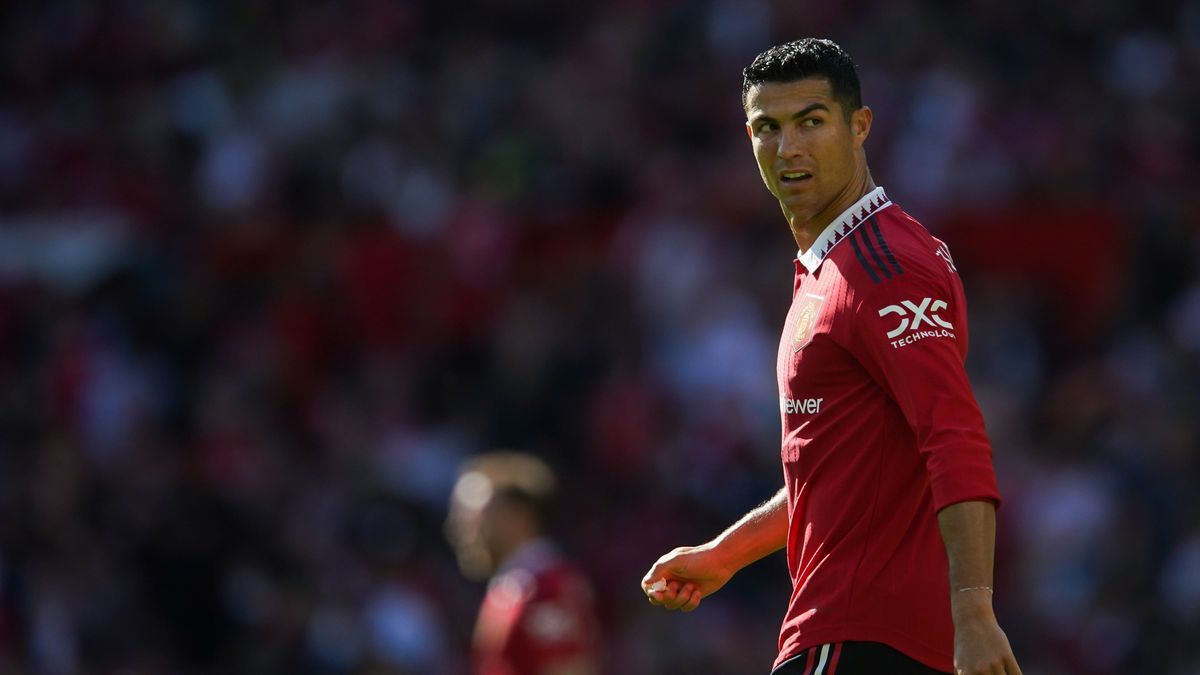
(749, 131)
(860, 124)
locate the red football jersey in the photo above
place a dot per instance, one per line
(880, 430)
(538, 611)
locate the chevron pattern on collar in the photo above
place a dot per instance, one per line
(843, 225)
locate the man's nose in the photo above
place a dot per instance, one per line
(791, 142)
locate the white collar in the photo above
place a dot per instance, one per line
(873, 201)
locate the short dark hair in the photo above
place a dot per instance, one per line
(800, 59)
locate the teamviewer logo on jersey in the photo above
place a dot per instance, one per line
(913, 315)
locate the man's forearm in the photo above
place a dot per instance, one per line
(969, 533)
(755, 535)
(980, 646)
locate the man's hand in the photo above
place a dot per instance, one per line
(980, 647)
(691, 573)
(687, 575)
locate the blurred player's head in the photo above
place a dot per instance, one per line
(807, 125)
(500, 502)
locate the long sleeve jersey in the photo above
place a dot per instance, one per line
(880, 431)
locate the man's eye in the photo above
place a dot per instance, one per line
(811, 122)
(766, 126)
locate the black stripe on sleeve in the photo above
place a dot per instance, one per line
(866, 237)
(861, 258)
(887, 252)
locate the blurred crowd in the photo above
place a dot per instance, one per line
(270, 271)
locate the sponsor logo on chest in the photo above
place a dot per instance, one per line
(801, 406)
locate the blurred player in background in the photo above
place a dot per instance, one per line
(538, 615)
(888, 505)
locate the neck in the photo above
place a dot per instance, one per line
(504, 550)
(807, 227)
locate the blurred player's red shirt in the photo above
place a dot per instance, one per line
(880, 430)
(538, 611)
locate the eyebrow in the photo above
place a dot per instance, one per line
(803, 112)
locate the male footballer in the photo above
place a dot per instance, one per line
(538, 617)
(888, 508)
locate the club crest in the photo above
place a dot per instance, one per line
(808, 312)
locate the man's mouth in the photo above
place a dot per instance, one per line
(794, 176)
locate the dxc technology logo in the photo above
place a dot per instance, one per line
(912, 316)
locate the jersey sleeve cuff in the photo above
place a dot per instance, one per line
(965, 487)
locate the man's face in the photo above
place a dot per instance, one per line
(808, 153)
(471, 527)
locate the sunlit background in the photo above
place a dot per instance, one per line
(270, 270)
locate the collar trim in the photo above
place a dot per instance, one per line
(870, 203)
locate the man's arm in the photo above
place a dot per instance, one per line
(692, 573)
(969, 533)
